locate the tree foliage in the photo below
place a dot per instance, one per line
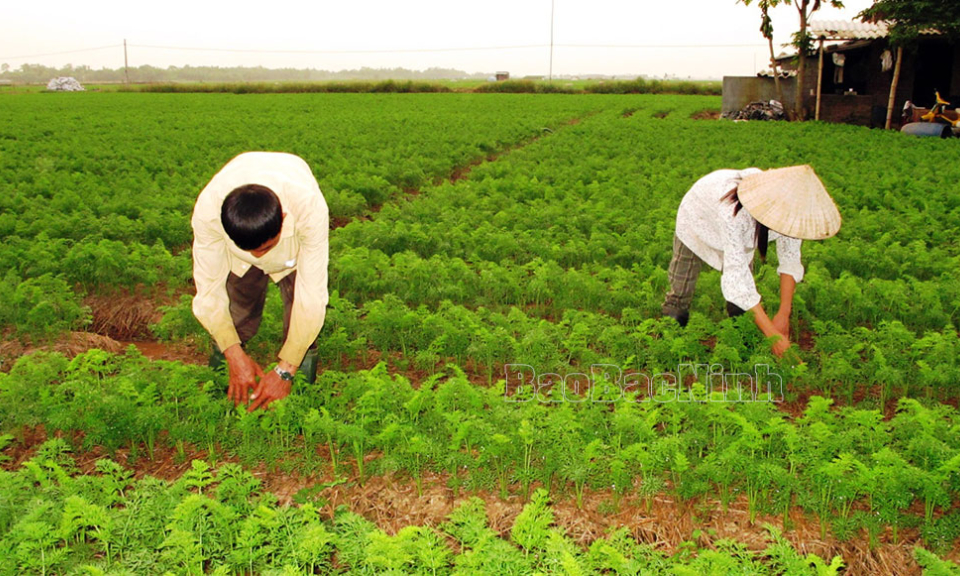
(908, 19)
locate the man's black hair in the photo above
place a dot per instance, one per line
(251, 215)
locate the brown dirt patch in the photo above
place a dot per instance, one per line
(127, 315)
(706, 115)
(457, 174)
(69, 344)
(18, 452)
(185, 352)
(167, 463)
(392, 502)
(119, 319)
(74, 343)
(461, 172)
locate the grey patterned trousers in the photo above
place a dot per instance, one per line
(683, 273)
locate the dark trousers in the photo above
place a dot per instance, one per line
(247, 295)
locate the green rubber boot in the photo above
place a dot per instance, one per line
(217, 360)
(308, 367)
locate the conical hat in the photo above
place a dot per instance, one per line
(791, 201)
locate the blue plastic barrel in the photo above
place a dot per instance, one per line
(927, 129)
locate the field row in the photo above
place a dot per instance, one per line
(555, 256)
(219, 521)
(848, 467)
(97, 188)
(539, 235)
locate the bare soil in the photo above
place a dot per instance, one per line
(69, 344)
(176, 351)
(124, 316)
(457, 174)
(706, 115)
(392, 502)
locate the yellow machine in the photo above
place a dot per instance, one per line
(937, 113)
(938, 121)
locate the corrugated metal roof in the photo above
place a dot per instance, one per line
(768, 73)
(852, 30)
(847, 30)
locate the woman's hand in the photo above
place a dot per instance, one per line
(781, 322)
(780, 346)
(770, 329)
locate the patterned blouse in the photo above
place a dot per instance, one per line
(706, 225)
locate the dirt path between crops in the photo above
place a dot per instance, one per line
(458, 173)
(392, 502)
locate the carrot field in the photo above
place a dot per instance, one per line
(498, 392)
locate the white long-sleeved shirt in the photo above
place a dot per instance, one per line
(706, 225)
(303, 247)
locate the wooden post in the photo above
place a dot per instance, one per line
(893, 88)
(819, 81)
(126, 73)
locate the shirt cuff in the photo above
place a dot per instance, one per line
(293, 353)
(743, 297)
(748, 303)
(226, 338)
(797, 273)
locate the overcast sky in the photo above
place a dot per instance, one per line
(684, 38)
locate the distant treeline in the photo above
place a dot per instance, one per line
(408, 86)
(638, 86)
(38, 74)
(264, 80)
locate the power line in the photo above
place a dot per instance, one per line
(61, 53)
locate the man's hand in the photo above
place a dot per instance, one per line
(272, 387)
(243, 373)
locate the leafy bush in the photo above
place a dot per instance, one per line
(40, 307)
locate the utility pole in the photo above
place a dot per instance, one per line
(552, 7)
(126, 73)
